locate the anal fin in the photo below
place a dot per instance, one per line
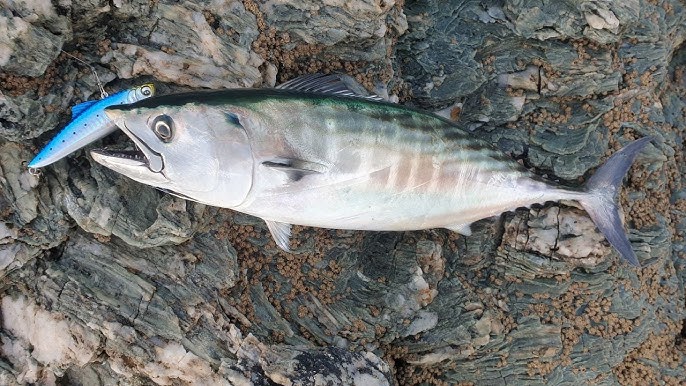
(281, 233)
(463, 229)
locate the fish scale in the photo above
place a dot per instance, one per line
(305, 157)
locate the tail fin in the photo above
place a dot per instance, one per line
(601, 199)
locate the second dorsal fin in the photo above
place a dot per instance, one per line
(334, 84)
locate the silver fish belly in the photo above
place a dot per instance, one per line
(316, 156)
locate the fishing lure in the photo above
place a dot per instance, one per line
(89, 123)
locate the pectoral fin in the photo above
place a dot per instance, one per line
(175, 194)
(295, 169)
(281, 233)
(463, 229)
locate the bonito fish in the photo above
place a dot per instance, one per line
(89, 123)
(312, 154)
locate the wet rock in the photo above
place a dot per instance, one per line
(326, 366)
(423, 52)
(32, 34)
(351, 30)
(45, 339)
(182, 47)
(156, 318)
(557, 233)
(102, 204)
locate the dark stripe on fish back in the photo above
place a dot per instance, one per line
(383, 110)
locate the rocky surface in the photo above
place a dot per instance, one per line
(106, 281)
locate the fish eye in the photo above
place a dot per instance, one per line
(163, 127)
(146, 91)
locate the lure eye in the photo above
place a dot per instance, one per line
(146, 90)
(163, 127)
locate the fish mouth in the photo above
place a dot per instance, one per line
(138, 162)
(132, 157)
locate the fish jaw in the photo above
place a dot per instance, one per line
(153, 159)
(143, 164)
(131, 164)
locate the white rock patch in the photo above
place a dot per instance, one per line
(37, 340)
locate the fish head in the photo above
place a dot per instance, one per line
(194, 151)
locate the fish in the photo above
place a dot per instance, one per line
(315, 154)
(89, 123)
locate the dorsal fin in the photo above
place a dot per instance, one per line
(77, 110)
(334, 84)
